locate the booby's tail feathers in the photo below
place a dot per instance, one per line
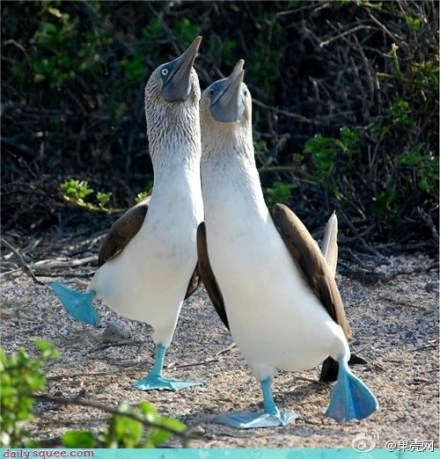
(329, 245)
(330, 367)
(77, 304)
(350, 398)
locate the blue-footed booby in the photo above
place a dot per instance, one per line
(148, 259)
(266, 275)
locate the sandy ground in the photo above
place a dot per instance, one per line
(396, 330)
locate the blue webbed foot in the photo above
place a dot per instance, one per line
(350, 398)
(271, 417)
(249, 420)
(77, 304)
(153, 381)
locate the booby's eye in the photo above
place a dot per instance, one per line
(164, 72)
(211, 92)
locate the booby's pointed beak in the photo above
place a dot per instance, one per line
(228, 105)
(177, 87)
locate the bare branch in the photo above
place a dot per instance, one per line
(25, 267)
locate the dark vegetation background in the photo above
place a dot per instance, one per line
(345, 108)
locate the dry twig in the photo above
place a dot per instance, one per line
(25, 267)
(184, 435)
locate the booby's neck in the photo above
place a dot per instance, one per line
(229, 172)
(174, 139)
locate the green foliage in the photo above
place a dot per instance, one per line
(74, 72)
(21, 376)
(423, 167)
(134, 69)
(264, 62)
(185, 31)
(324, 152)
(228, 52)
(127, 432)
(130, 427)
(67, 51)
(79, 439)
(79, 192)
(76, 191)
(103, 198)
(279, 192)
(400, 113)
(384, 204)
(153, 31)
(415, 168)
(414, 22)
(141, 196)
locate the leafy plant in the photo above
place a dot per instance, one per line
(141, 196)
(185, 31)
(56, 36)
(128, 427)
(279, 192)
(424, 167)
(76, 191)
(324, 151)
(22, 378)
(74, 72)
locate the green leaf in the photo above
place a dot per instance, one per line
(47, 349)
(148, 408)
(350, 138)
(103, 198)
(384, 202)
(172, 423)
(140, 196)
(76, 189)
(79, 439)
(279, 192)
(125, 431)
(414, 22)
(134, 68)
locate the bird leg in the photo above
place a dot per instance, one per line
(271, 417)
(156, 380)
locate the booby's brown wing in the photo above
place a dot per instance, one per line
(307, 255)
(207, 275)
(124, 229)
(194, 282)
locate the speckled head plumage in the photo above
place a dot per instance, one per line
(172, 96)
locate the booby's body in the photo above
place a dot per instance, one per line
(148, 280)
(281, 315)
(259, 281)
(148, 259)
